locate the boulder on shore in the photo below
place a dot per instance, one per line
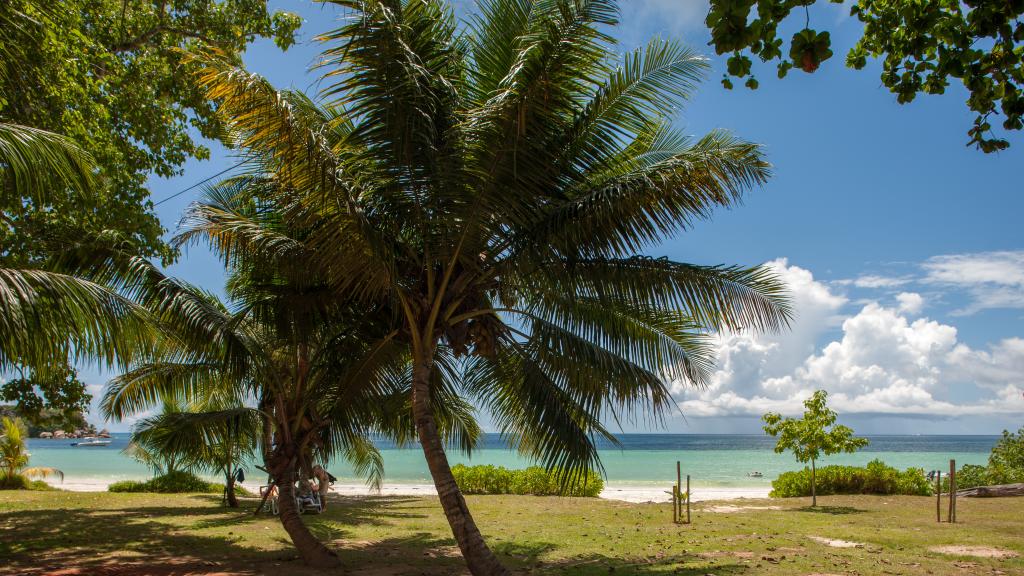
(46, 434)
(992, 491)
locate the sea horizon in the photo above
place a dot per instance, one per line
(641, 466)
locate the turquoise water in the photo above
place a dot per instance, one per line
(642, 459)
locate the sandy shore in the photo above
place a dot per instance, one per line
(625, 492)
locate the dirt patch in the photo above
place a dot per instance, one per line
(976, 551)
(730, 509)
(836, 543)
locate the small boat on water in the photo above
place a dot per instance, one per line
(91, 443)
(755, 475)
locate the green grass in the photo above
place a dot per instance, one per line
(92, 532)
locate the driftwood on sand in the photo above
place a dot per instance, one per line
(993, 491)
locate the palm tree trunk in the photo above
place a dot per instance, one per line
(313, 552)
(229, 487)
(479, 558)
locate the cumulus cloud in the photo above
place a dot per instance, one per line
(991, 279)
(880, 362)
(909, 302)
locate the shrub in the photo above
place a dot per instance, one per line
(127, 486)
(973, 475)
(14, 482)
(533, 480)
(171, 483)
(875, 478)
(22, 482)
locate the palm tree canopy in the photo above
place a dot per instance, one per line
(492, 184)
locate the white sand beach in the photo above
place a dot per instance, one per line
(624, 492)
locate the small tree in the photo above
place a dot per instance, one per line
(14, 470)
(813, 435)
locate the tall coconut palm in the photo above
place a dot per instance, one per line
(493, 184)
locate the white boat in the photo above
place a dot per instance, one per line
(92, 443)
(755, 474)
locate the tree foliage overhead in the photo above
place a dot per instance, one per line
(109, 75)
(923, 45)
(56, 399)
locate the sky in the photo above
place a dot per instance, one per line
(902, 247)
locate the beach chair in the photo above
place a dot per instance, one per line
(309, 503)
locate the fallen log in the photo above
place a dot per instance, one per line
(993, 491)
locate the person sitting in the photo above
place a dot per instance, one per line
(306, 498)
(323, 484)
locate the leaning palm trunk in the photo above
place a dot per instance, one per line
(313, 552)
(479, 558)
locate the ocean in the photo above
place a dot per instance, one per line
(644, 462)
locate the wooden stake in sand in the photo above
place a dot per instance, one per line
(687, 498)
(679, 487)
(952, 491)
(938, 495)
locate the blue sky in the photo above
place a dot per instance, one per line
(903, 247)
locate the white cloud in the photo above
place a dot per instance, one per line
(910, 302)
(669, 18)
(991, 279)
(881, 363)
(875, 281)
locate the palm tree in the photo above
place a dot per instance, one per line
(215, 436)
(493, 184)
(313, 377)
(14, 459)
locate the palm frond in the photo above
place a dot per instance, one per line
(42, 472)
(34, 163)
(47, 318)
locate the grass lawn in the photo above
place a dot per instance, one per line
(119, 534)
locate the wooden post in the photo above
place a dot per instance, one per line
(679, 488)
(674, 507)
(952, 488)
(938, 495)
(952, 470)
(687, 498)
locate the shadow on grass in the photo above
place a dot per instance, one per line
(167, 540)
(199, 536)
(833, 510)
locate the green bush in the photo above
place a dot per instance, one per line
(533, 480)
(21, 482)
(875, 478)
(973, 475)
(172, 483)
